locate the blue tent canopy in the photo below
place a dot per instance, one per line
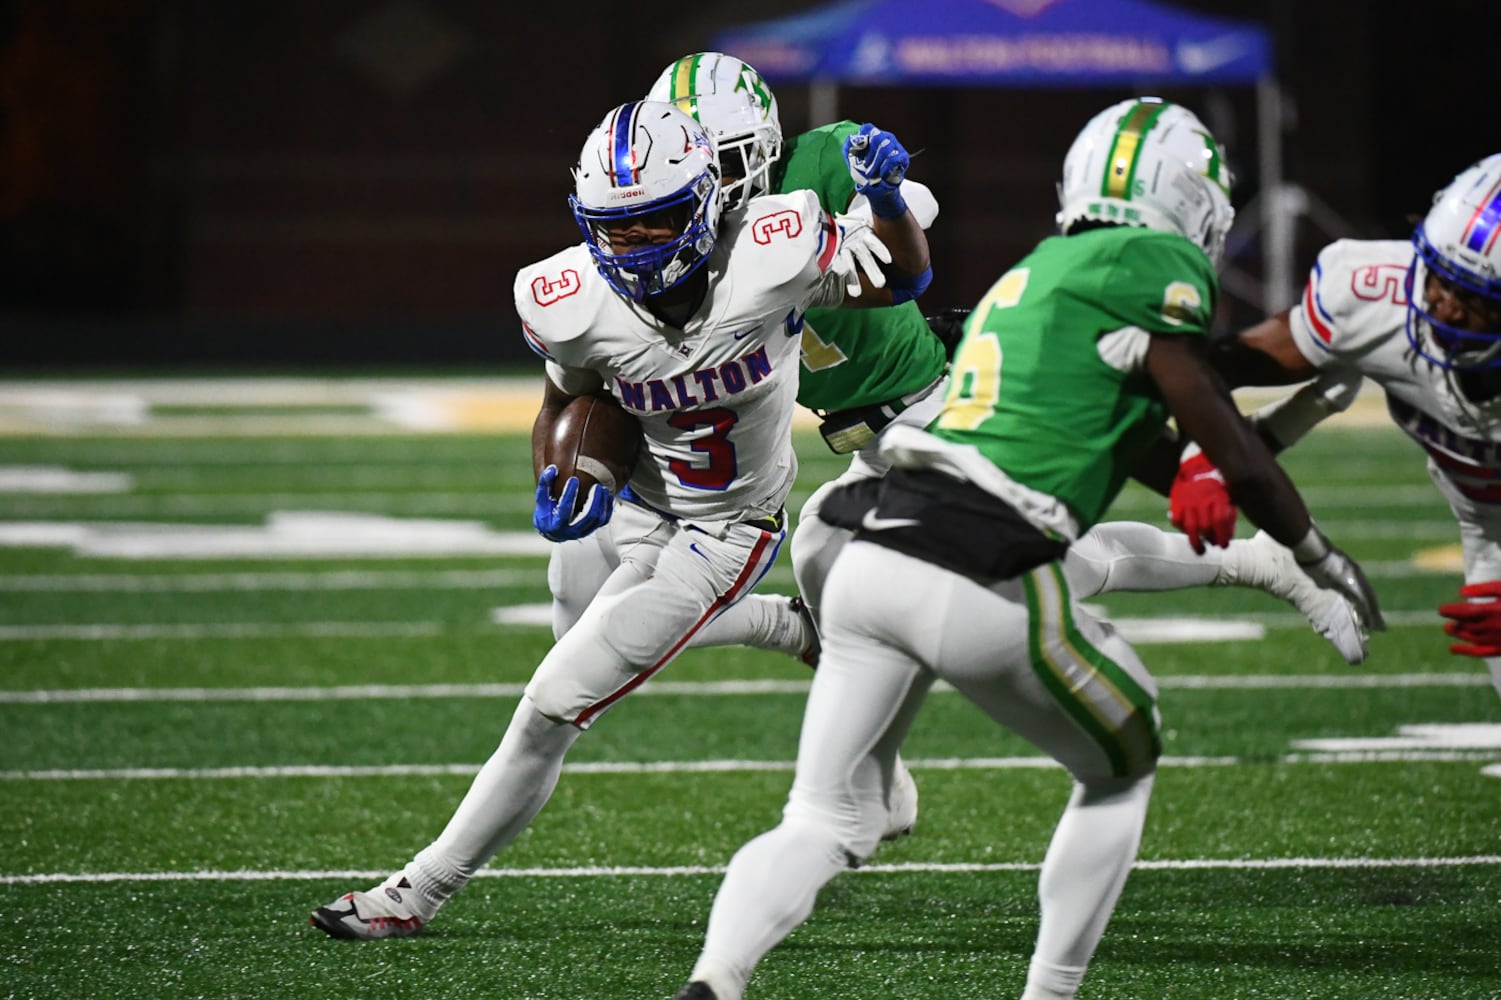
(1003, 43)
(1034, 43)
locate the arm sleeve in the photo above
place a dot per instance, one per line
(920, 202)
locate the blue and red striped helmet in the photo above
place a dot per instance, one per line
(1459, 242)
(647, 164)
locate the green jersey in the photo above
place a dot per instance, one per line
(853, 357)
(1048, 382)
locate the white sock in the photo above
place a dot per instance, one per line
(1127, 555)
(1052, 982)
(1092, 851)
(764, 621)
(767, 891)
(505, 796)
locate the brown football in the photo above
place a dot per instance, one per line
(595, 439)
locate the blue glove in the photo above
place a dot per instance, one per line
(878, 162)
(551, 516)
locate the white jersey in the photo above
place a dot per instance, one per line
(1352, 317)
(716, 398)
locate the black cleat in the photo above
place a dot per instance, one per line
(696, 991)
(812, 647)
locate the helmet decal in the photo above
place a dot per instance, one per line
(622, 153)
(733, 101)
(1122, 158)
(1480, 232)
(1148, 162)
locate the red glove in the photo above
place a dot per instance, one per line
(1199, 505)
(1476, 622)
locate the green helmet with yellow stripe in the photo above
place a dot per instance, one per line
(1147, 162)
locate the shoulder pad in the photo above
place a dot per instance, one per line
(1356, 288)
(781, 238)
(558, 299)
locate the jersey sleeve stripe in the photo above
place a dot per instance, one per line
(535, 343)
(1318, 319)
(828, 238)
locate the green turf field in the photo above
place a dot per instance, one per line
(245, 670)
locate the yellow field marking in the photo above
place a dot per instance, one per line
(1440, 559)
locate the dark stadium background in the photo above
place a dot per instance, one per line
(278, 185)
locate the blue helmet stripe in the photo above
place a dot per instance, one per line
(623, 162)
(1481, 232)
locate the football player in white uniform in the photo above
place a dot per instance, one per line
(1422, 319)
(691, 320)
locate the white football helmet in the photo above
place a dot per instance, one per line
(1460, 242)
(648, 162)
(1146, 162)
(734, 103)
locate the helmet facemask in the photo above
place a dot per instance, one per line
(747, 158)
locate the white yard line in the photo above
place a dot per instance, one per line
(677, 871)
(719, 766)
(150, 583)
(458, 579)
(362, 692)
(221, 630)
(1151, 629)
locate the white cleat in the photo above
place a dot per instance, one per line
(391, 909)
(902, 815)
(1260, 561)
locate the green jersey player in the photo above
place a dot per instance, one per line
(1067, 373)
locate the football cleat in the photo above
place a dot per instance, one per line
(1260, 561)
(902, 815)
(812, 647)
(391, 909)
(696, 991)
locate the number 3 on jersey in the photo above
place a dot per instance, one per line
(975, 379)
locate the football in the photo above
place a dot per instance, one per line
(595, 439)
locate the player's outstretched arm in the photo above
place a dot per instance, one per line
(1202, 406)
(1263, 354)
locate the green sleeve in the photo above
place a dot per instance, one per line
(815, 160)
